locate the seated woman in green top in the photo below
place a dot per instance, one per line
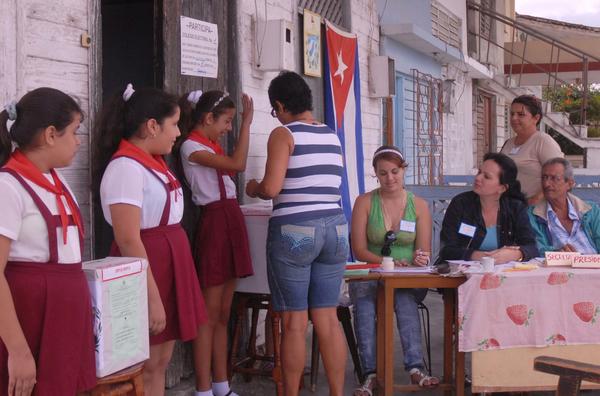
(382, 214)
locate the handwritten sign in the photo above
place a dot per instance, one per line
(587, 261)
(199, 48)
(560, 259)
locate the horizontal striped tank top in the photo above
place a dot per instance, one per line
(311, 188)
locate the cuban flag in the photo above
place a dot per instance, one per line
(342, 109)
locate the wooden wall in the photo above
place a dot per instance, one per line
(40, 46)
(222, 13)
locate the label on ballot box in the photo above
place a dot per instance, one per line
(560, 259)
(119, 294)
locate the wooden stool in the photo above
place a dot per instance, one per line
(129, 381)
(570, 373)
(245, 365)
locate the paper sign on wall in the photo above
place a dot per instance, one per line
(199, 48)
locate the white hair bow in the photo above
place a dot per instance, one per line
(11, 109)
(128, 92)
(194, 96)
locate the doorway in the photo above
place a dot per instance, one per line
(131, 52)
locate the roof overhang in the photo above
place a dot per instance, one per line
(421, 40)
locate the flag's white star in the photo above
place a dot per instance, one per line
(341, 67)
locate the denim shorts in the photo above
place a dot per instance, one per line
(306, 263)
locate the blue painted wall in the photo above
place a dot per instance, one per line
(406, 11)
(407, 58)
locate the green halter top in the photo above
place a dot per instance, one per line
(404, 246)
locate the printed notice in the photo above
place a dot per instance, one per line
(199, 48)
(124, 295)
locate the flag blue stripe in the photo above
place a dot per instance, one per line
(360, 160)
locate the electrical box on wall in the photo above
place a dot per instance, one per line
(382, 76)
(273, 49)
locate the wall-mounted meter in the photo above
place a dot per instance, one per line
(273, 49)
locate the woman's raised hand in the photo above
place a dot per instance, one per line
(247, 109)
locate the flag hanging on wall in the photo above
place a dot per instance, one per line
(342, 108)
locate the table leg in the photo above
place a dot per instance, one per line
(459, 357)
(448, 297)
(380, 336)
(389, 340)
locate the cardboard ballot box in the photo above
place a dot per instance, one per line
(257, 222)
(119, 294)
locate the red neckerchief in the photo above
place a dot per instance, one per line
(154, 162)
(19, 163)
(197, 137)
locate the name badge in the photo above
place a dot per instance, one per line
(408, 226)
(515, 150)
(467, 230)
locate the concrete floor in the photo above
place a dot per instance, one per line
(265, 387)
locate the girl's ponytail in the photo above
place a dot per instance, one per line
(5, 141)
(108, 132)
(121, 118)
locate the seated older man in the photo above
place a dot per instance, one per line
(561, 221)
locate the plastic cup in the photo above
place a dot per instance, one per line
(387, 264)
(487, 264)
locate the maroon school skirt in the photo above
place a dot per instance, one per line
(53, 306)
(221, 250)
(170, 258)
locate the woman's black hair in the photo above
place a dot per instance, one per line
(120, 119)
(508, 175)
(291, 91)
(36, 111)
(215, 102)
(532, 103)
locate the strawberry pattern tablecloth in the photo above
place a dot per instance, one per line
(547, 306)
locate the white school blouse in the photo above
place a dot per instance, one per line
(24, 225)
(126, 181)
(202, 180)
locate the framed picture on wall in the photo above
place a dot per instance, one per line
(312, 44)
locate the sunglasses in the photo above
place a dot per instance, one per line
(388, 239)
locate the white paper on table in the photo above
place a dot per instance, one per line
(413, 270)
(466, 263)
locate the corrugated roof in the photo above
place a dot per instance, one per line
(559, 23)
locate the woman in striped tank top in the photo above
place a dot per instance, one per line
(307, 243)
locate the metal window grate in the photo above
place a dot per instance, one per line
(428, 128)
(328, 9)
(445, 25)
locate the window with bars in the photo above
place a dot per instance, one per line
(445, 25)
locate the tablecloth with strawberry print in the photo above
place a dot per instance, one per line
(547, 306)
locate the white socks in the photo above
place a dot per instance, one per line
(222, 389)
(204, 393)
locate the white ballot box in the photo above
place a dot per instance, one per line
(119, 294)
(257, 222)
